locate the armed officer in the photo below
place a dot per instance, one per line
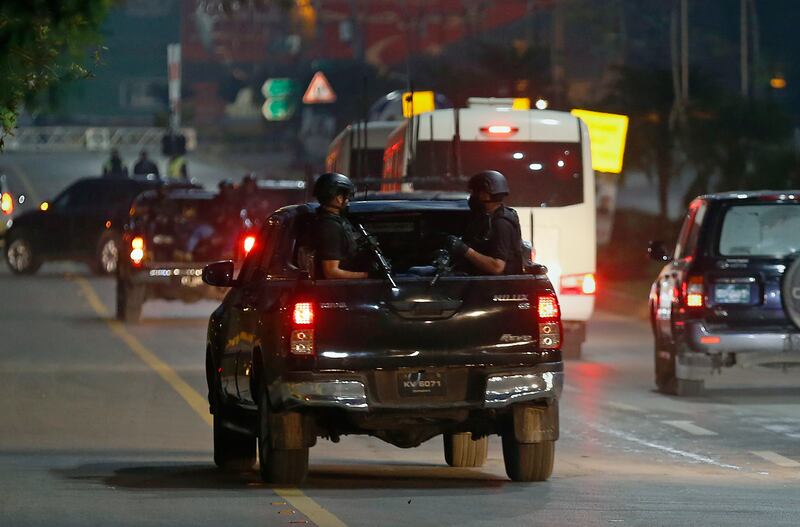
(335, 242)
(492, 242)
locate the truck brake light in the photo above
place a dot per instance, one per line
(547, 307)
(248, 243)
(549, 322)
(137, 250)
(579, 284)
(6, 203)
(301, 341)
(499, 130)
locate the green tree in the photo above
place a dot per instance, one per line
(646, 96)
(44, 43)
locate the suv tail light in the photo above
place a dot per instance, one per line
(578, 284)
(694, 292)
(549, 316)
(137, 250)
(301, 341)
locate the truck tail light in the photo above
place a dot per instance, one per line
(579, 284)
(547, 308)
(301, 341)
(248, 243)
(6, 203)
(137, 250)
(694, 291)
(549, 317)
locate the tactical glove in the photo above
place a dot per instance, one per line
(456, 246)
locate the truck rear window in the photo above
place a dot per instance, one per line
(769, 230)
(539, 174)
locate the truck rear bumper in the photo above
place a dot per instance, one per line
(497, 389)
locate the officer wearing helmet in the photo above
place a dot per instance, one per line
(335, 243)
(492, 242)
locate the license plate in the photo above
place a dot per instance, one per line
(732, 293)
(421, 383)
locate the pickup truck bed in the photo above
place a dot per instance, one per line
(291, 359)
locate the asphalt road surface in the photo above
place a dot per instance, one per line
(106, 424)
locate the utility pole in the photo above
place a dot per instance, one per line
(743, 49)
(557, 53)
(685, 51)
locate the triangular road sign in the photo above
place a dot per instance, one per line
(319, 90)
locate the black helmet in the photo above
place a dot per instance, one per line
(490, 181)
(331, 184)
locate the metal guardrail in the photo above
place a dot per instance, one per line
(73, 138)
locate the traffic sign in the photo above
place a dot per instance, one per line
(607, 134)
(278, 87)
(415, 103)
(277, 109)
(319, 90)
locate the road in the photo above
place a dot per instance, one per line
(105, 424)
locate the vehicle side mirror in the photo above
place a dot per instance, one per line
(219, 274)
(658, 252)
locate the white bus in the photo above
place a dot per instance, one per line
(545, 156)
(357, 140)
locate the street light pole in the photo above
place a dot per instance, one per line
(743, 49)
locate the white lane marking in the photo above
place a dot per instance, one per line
(774, 457)
(624, 407)
(688, 426)
(674, 451)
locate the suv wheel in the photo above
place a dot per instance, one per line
(278, 466)
(528, 461)
(666, 380)
(233, 450)
(460, 450)
(106, 256)
(20, 257)
(130, 299)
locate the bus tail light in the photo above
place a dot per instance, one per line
(248, 243)
(549, 317)
(137, 250)
(579, 284)
(499, 130)
(694, 291)
(6, 203)
(301, 341)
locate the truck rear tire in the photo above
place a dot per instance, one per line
(130, 299)
(460, 450)
(232, 450)
(278, 466)
(528, 461)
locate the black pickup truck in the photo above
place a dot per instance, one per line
(171, 234)
(404, 357)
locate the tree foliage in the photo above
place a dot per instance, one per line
(43, 43)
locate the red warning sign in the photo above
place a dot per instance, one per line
(319, 90)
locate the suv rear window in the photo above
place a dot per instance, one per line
(770, 230)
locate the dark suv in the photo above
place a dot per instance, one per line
(725, 297)
(81, 224)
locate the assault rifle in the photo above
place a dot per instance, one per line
(371, 244)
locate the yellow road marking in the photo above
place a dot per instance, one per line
(296, 497)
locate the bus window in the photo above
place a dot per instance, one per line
(539, 174)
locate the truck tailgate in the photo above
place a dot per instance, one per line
(459, 321)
